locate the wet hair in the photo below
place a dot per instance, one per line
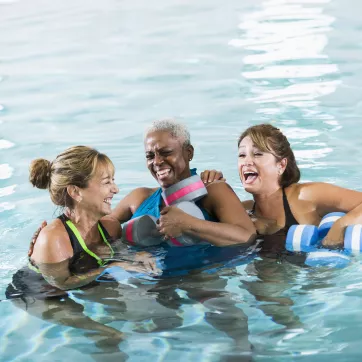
(175, 129)
(74, 166)
(270, 139)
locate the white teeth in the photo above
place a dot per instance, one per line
(163, 172)
(108, 201)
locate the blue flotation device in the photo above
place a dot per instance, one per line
(307, 238)
(180, 261)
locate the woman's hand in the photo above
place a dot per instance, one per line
(335, 236)
(135, 267)
(143, 262)
(35, 237)
(172, 222)
(149, 262)
(209, 176)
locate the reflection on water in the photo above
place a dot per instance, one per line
(288, 70)
(95, 73)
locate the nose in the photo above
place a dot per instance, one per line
(158, 159)
(115, 188)
(248, 160)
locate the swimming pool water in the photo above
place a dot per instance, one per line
(96, 73)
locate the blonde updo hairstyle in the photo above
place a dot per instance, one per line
(75, 166)
(270, 139)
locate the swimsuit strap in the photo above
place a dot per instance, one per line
(252, 211)
(84, 246)
(78, 243)
(289, 217)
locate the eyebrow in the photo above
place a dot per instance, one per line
(253, 145)
(165, 148)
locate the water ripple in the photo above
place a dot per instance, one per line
(5, 206)
(6, 191)
(6, 144)
(284, 60)
(5, 171)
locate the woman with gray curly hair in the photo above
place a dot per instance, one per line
(168, 153)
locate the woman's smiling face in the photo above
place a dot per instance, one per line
(167, 158)
(258, 170)
(97, 196)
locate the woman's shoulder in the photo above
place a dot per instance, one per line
(52, 244)
(248, 204)
(112, 226)
(219, 193)
(54, 229)
(304, 190)
(141, 193)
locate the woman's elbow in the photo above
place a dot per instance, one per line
(243, 237)
(248, 235)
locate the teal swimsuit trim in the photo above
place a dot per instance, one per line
(152, 205)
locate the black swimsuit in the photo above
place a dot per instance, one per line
(275, 243)
(81, 261)
(27, 282)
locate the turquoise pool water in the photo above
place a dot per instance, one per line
(95, 73)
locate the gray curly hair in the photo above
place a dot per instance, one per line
(174, 128)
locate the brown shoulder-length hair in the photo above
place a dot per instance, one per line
(270, 139)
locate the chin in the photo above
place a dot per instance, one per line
(105, 212)
(166, 183)
(249, 188)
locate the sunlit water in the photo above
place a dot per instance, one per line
(96, 73)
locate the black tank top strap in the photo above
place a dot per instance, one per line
(78, 243)
(105, 232)
(252, 211)
(289, 217)
(77, 248)
(73, 239)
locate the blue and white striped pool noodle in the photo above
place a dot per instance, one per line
(327, 222)
(301, 238)
(353, 238)
(327, 257)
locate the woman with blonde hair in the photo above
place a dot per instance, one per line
(73, 249)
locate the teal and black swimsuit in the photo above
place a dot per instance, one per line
(179, 260)
(29, 282)
(152, 206)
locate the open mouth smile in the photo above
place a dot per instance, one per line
(250, 176)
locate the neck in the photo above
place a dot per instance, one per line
(85, 221)
(268, 202)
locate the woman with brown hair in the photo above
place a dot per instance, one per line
(268, 171)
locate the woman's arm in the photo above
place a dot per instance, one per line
(58, 274)
(130, 203)
(234, 226)
(52, 254)
(208, 176)
(328, 198)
